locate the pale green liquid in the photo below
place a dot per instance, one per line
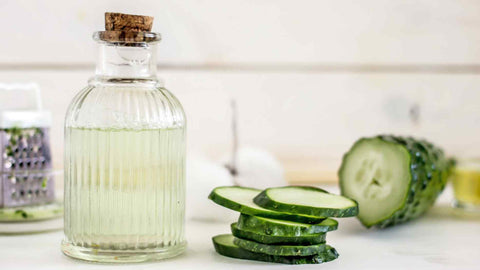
(124, 189)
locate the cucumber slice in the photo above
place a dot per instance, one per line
(275, 227)
(312, 239)
(280, 250)
(309, 201)
(225, 246)
(393, 179)
(241, 199)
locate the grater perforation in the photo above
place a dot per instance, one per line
(26, 177)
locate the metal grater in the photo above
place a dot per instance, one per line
(25, 159)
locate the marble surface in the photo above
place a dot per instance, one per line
(442, 239)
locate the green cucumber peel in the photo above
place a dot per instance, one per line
(280, 250)
(259, 237)
(224, 245)
(274, 227)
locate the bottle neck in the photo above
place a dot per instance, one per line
(127, 62)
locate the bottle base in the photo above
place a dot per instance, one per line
(121, 256)
(467, 207)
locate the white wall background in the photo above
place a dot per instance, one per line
(310, 76)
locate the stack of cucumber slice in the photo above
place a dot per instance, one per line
(281, 225)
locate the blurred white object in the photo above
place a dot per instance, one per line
(21, 106)
(25, 95)
(258, 168)
(252, 167)
(203, 176)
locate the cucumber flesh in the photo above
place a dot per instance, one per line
(376, 173)
(224, 245)
(306, 201)
(394, 179)
(283, 228)
(241, 199)
(280, 250)
(256, 236)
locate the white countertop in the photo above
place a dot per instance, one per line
(439, 240)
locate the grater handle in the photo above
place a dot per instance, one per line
(29, 91)
(38, 96)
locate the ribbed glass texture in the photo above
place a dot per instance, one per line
(124, 173)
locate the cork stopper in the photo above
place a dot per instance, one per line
(127, 22)
(127, 28)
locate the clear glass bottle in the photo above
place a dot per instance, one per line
(124, 159)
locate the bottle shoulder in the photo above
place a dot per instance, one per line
(125, 106)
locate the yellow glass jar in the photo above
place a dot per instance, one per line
(466, 184)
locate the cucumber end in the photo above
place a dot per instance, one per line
(376, 174)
